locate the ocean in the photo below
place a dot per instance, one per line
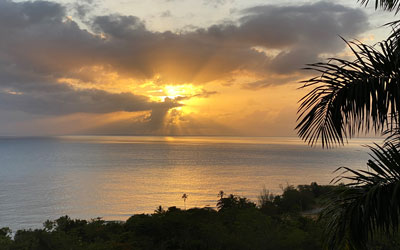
(114, 177)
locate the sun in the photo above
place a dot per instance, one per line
(185, 90)
(173, 91)
(185, 94)
(188, 95)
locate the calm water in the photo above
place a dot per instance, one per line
(115, 177)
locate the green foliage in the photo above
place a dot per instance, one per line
(237, 224)
(351, 96)
(369, 205)
(266, 203)
(346, 98)
(295, 200)
(5, 238)
(233, 201)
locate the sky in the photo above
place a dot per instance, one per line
(168, 67)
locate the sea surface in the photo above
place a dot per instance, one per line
(114, 177)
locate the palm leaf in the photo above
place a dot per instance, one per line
(392, 136)
(351, 96)
(368, 204)
(389, 5)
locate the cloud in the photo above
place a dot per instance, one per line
(78, 101)
(270, 81)
(203, 94)
(303, 33)
(166, 14)
(40, 45)
(265, 40)
(217, 3)
(299, 34)
(82, 8)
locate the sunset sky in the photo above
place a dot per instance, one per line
(167, 67)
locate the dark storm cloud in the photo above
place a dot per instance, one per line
(39, 44)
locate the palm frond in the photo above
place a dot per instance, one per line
(351, 96)
(370, 203)
(395, 34)
(392, 136)
(389, 5)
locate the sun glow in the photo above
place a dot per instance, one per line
(185, 94)
(183, 91)
(190, 98)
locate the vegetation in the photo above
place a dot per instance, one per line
(368, 205)
(276, 222)
(349, 97)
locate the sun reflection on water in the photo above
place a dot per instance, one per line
(116, 176)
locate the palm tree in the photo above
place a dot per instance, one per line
(349, 97)
(388, 5)
(368, 205)
(352, 96)
(184, 197)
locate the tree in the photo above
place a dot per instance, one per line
(184, 197)
(368, 205)
(349, 97)
(352, 96)
(234, 202)
(388, 5)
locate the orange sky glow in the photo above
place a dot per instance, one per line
(113, 68)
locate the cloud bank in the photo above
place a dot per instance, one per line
(40, 44)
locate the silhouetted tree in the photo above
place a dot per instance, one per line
(184, 197)
(351, 97)
(368, 205)
(233, 201)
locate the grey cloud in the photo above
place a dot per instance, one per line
(166, 14)
(289, 61)
(189, 125)
(217, 3)
(78, 101)
(82, 8)
(302, 33)
(22, 14)
(145, 124)
(124, 27)
(39, 44)
(203, 94)
(272, 80)
(202, 55)
(257, 84)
